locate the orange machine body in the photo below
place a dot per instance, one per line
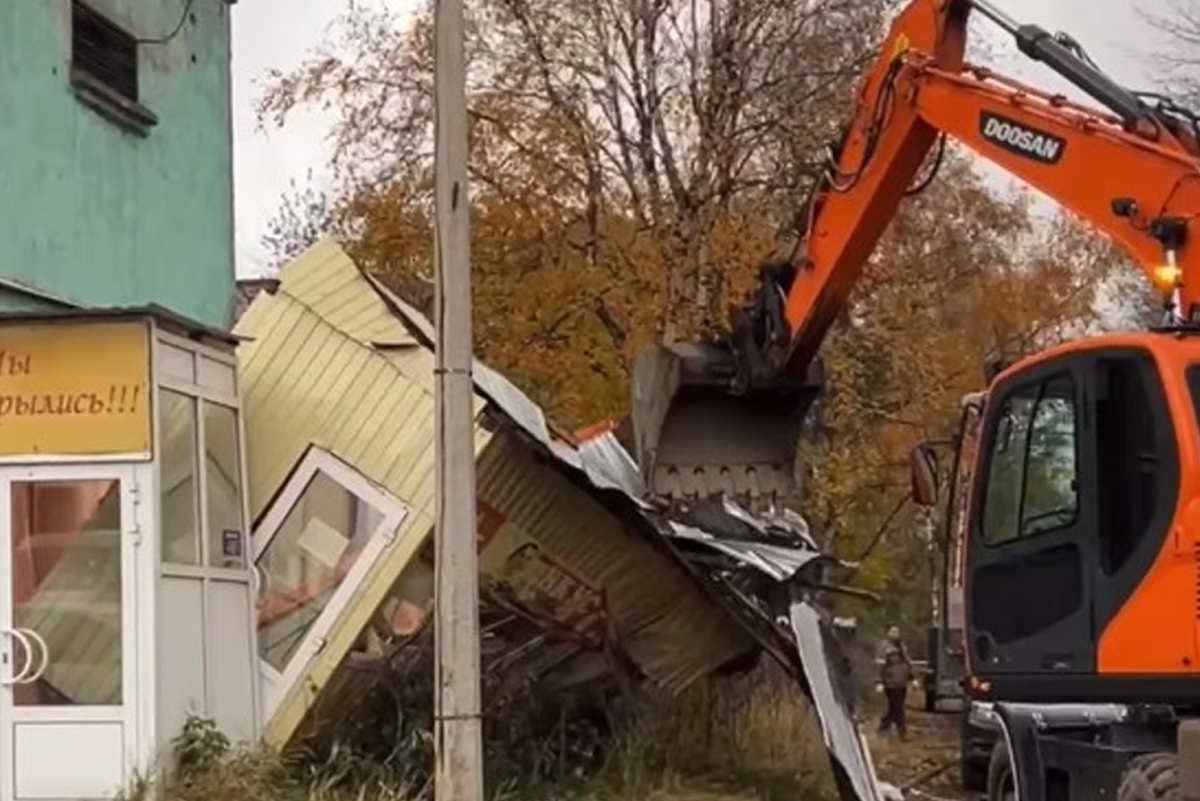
(1086, 159)
(1156, 632)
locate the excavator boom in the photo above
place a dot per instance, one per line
(724, 418)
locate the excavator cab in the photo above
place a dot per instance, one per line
(1083, 524)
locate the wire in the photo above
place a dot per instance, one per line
(162, 40)
(883, 529)
(884, 103)
(1170, 107)
(933, 172)
(1071, 43)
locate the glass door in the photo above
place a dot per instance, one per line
(67, 672)
(312, 551)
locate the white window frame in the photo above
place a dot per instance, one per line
(394, 513)
(200, 395)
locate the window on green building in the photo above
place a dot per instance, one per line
(103, 52)
(104, 69)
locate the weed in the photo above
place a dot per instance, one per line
(752, 738)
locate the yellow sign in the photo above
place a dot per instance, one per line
(74, 388)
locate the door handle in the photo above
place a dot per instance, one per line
(260, 579)
(45, 654)
(19, 678)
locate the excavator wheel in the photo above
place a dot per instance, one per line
(1152, 777)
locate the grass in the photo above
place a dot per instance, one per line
(751, 738)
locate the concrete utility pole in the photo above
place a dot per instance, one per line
(457, 728)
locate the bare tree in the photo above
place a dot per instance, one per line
(1177, 61)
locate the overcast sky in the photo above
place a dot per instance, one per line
(277, 34)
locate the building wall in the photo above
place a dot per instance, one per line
(100, 215)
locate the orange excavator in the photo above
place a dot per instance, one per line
(1081, 510)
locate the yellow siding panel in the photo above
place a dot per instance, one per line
(307, 382)
(326, 280)
(369, 447)
(416, 364)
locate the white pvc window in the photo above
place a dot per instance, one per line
(314, 547)
(200, 461)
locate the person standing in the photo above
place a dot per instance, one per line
(895, 673)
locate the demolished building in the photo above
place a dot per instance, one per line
(583, 577)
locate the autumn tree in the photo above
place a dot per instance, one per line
(631, 160)
(1177, 58)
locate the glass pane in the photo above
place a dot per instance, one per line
(1132, 453)
(177, 465)
(224, 487)
(306, 561)
(66, 586)
(1050, 479)
(1002, 504)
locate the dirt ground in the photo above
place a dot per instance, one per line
(932, 745)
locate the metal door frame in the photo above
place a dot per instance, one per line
(277, 684)
(133, 526)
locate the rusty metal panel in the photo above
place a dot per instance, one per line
(658, 616)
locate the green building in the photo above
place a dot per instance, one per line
(116, 154)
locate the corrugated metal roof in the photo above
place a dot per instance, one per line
(832, 696)
(609, 466)
(778, 562)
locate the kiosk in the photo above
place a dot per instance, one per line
(127, 598)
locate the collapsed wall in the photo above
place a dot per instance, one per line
(582, 581)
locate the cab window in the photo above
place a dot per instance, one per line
(1033, 483)
(1193, 379)
(1131, 454)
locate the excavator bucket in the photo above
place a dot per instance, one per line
(696, 437)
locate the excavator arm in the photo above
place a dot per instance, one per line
(724, 417)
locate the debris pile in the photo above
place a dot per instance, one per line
(587, 589)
